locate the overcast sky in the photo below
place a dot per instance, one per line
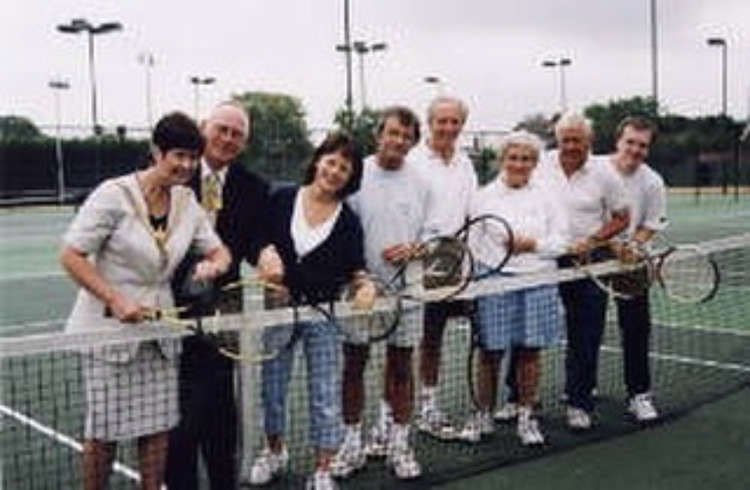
(486, 51)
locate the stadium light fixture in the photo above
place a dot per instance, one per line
(561, 62)
(362, 48)
(76, 26)
(197, 82)
(57, 87)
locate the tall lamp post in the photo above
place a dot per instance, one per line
(562, 63)
(57, 86)
(346, 48)
(77, 26)
(362, 48)
(722, 43)
(147, 60)
(197, 82)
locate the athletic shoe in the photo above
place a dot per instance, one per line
(401, 455)
(478, 424)
(432, 422)
(642, 408)
(321, 480)
(377, 442)
(350, 456)
(507, 412)
(268, 465)
(528, 428)
(578, 419)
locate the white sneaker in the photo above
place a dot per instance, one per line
(321, 480)
(507, 412)
(478, 424)
(268, 465)
(642, 408)
(377, 442)
(350, 456)
(401, 455)
(432, 422)
(578, 419)
(528, 428)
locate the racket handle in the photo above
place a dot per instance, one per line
(108, 312)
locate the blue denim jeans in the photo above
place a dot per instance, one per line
(321, 344)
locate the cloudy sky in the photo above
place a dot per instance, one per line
(486, 51)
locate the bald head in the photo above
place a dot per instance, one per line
(226, 131)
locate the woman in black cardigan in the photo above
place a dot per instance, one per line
(315, 251)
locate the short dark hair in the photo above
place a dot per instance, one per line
(177, 130)
(639, 123)
(404, 115)
(337, 142)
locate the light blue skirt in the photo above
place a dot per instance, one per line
(526, 318)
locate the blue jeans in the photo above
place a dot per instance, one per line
(322, 347)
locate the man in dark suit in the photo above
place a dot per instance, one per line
(236, 201)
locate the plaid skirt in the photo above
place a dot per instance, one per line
(130, 399)
(527, 318)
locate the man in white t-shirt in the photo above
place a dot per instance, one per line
(596, 204)
(452, 181)
(391, 204)
(634, 137)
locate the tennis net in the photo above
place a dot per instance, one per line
(48, 384)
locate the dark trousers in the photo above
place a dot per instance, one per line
(634, 318)
(208, 420)
(585, 313)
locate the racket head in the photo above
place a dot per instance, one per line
(440, 270)
(488, 236)
(688, 275)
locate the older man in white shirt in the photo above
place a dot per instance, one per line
(452, 182)
(597, 207)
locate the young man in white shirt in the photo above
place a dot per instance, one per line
(634, 137)
(452, 180)
(391, 205)
(596, 204)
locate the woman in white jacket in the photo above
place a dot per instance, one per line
(525, 320)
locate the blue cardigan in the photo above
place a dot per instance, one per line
(321, 274)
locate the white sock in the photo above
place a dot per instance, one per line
(428, 397)
(399, 435)
(385, 414)
(354, 433)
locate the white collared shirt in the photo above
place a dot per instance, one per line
(589, 196)
(391, 205)
(648, 198)
(531, 212)
(451, 188)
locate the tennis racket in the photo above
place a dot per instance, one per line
(439, 269)
(489, 237)
(685, 272)
(632, 274)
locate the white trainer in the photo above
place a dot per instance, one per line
(506, 412)
(578, 419)
(528, 428)
(641, 406)
(350, 456)
(268, 465)
(321, 480)
(401, 456)
(477, 425)
(432, 422)
(377, 442)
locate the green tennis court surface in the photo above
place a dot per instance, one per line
(699, 354)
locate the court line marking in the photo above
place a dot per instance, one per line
(729, 366)
(33, 275)
(728, 331)
(65, 440)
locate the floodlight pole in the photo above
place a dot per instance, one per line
(147, 60)
(57, 86)
(562, 63)
(197, 82)
(362, 48)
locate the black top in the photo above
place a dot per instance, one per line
(322, 273)
(240, 224)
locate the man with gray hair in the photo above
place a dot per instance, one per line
(452, 181)
(596, 203)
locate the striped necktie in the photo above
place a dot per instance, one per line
(211, 195)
